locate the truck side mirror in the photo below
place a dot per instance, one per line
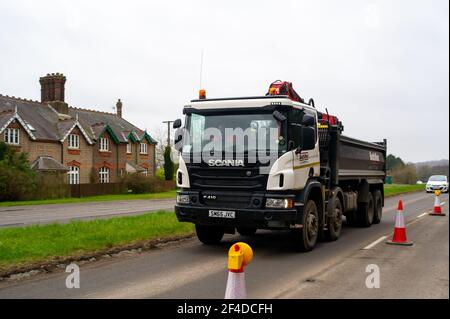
(308, 120)
(308, 138)
(177, 123)
(178, 140)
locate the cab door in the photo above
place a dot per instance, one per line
(306, 164)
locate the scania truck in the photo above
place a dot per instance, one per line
(304, 177)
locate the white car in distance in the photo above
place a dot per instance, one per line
(437, 182)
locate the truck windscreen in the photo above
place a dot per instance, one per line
(240, 132)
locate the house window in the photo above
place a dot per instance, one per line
(104, 175)
(129, 148)
(144, 148)
(104, 144)
(74, 175)
(74, 141)
(12, 136)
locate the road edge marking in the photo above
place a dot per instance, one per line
(422, 215)
(373, 244)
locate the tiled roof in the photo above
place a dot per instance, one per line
(39, 116)
(133, 168)
(64, 126)
(5, 117)
(47, 163)
(47, 124)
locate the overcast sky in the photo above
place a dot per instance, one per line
(381, 66)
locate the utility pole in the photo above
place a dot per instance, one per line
(168, 131)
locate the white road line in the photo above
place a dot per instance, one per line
(443, 203)
(421, 215)
(375, 242)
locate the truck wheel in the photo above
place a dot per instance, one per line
(378, 207)
(365, 212)
(209, 235)
(246, 231)
(334, 222)
(307, 235)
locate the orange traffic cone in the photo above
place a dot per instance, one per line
(239, 255)
(399, 237)
(437, 211)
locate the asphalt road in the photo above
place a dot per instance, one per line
(44, 214)
(333, 270)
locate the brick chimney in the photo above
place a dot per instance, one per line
(119, 108)
(52, 91)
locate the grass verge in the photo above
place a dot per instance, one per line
(389, 190)
(23, 247)
(100, 198)
(397, 189)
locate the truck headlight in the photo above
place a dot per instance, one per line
(286, 203)
(182, 199)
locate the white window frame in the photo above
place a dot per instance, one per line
(12, 136)
(74, 141)
(129, 148)
(74, 175)
(103, 174)
(104, 144)
(144, 148)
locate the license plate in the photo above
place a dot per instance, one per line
(221, 213)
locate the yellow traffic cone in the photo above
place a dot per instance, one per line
(239, 255)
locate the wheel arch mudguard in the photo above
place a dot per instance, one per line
(336, 192)
(313, 188)
(363, 192)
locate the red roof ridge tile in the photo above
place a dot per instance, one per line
(18, 98)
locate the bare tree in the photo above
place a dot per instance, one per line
(160, 135)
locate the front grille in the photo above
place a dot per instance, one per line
(223, 199)
(236, 178)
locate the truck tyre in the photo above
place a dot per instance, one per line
(365, 212)
(246, 231)
(306, 236)
(334, 219)
(378, 206)
(209, 235)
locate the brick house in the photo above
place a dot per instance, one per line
(91, 146)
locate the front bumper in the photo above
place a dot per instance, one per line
(262, 218)
(432, 188)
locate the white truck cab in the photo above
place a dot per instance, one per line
(274, 162)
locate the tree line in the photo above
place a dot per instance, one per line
(410, 173)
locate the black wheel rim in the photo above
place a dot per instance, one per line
(379, 208)
(370, 210)
(337, 218)
(312, 226)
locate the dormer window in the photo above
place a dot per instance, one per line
(129, 148)
(144, 148)
(74, 141)
(104, 144)
(12, 136)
